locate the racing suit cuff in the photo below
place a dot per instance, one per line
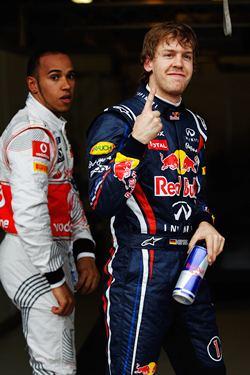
(85, 254)
(55, 278)
(86, 244)
(204, 216)
(133, 148)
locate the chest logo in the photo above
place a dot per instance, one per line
(179, 161)
(181, 208)
(158, 144)
(190, 132)
(175, 116)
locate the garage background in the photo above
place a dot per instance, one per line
(104, 39)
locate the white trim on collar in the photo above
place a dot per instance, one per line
(42, 112)
(164, 100)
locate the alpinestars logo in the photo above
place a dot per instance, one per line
(150, 241)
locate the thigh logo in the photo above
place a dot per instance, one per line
(149, 369)
(214, 349)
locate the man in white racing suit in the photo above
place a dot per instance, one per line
(48, 250)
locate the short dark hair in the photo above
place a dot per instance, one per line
(34, 59)
(165, 31)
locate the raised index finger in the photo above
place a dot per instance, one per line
(149, 101)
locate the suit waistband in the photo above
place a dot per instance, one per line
(154, 241)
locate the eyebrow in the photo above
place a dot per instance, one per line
(54, 70)
(173, 50)
(60, 71)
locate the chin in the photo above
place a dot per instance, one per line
(64, 109)
(178, 91)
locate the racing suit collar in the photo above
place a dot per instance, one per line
(159, 104)
(164, 100)
(43, 113)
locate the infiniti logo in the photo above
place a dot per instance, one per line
(190, 132)
(182, 207)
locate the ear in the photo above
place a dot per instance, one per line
(32, 84)
(147, 64)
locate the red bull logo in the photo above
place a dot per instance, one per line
(179, 161)
(149, 369)
(171, 162)
(163, 187)
(175, 116)
(189, 164)
(122, 170)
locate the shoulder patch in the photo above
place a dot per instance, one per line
(41, 149)
(102, 148)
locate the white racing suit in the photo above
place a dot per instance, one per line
(45, 223)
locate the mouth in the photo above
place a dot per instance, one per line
(66, 99)
(178, 75)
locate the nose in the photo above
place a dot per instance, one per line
(178, 61)
(66, 83)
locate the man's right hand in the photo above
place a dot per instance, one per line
(148, 124)
(65, 299)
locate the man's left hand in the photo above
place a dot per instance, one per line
(88, 275)
(214, 240)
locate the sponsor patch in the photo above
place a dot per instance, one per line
(151, 241)
(41, 150)
(122, 170)
(40, 167)
(99, 169)
(149, 369)
(60, 156)
(2, 199)
(163, 187)
(214, 349)
(102, 148)
(158, 144)
(120, 158)
(180, 161)
(99, 162)
(4, 223)
(175, 116)
(175, 241)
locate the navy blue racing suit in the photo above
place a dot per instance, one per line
(154, 196)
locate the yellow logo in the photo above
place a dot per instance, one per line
(120, 158)
(101, 148)
(40, 167)
(149, 369)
